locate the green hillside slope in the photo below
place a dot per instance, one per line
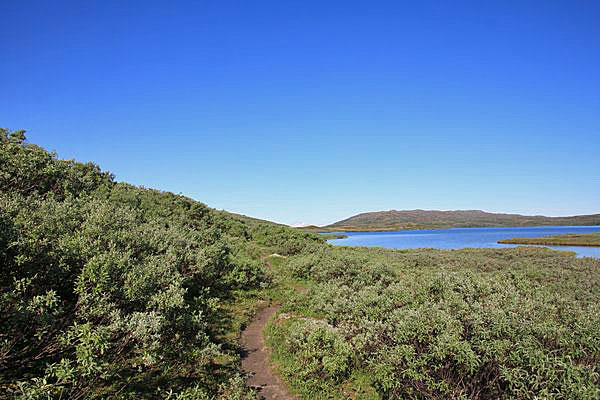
(111, 289)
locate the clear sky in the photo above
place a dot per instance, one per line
(312, 111)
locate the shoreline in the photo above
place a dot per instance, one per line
(580, 240)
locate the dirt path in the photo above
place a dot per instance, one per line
(256, 359)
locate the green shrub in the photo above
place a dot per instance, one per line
(321, 357)
(104, 284)
(28, 169)
(283, 240)
(514, 323)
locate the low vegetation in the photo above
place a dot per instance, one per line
(427, 324)
(588, 239)
(114, 291)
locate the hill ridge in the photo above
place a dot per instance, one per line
(456, 218)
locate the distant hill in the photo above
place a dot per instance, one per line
(422, 219)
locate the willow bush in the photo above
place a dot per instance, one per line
(112, 290)
(511, 323)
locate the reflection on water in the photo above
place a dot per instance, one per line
(461, 238)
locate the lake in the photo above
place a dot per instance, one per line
(460, 238)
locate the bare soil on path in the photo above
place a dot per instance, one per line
(256, 359)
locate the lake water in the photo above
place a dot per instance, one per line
(460, 238)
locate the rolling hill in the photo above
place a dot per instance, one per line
(423, 219)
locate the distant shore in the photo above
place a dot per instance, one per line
(589, 239)
(354, 229)
(325, 230)
(332, 236)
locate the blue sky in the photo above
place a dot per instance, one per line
(312, 111)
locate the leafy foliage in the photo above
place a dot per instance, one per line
(105, 284)
(510, 323)
(285, 241)
(28, 169)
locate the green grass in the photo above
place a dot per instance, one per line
(590, 239)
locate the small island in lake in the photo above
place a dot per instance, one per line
(588, 239)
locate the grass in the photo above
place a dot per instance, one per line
(590, 239)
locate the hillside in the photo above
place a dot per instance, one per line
(109, 290)
(411, 219)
